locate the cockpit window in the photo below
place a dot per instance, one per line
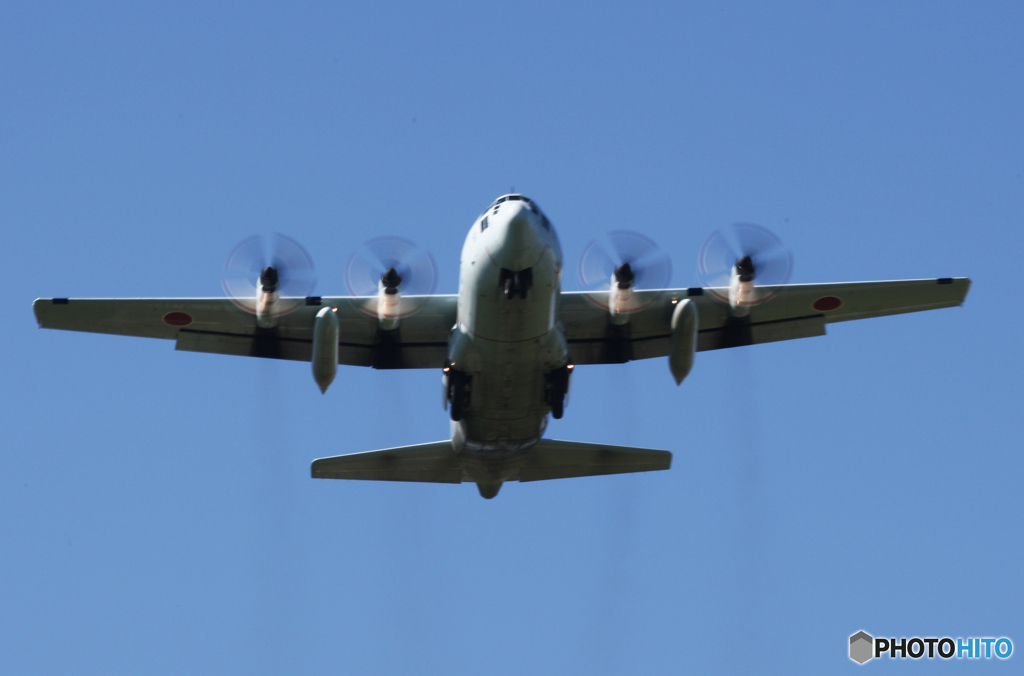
(530, 204)
(511, 198)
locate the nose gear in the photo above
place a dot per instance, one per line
(514, 283)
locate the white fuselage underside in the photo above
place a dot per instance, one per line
(507, 345)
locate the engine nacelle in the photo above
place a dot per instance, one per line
(742, 293)
(325, 347)
(621, 302)
(267, 297)
(389, 300)
(685, 322)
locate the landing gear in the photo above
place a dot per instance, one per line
(556, 387)
(458, 392)
(558, 408)
(515, 283)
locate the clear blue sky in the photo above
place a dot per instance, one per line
(156, 510)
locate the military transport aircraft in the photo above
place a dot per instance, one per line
(507, 343)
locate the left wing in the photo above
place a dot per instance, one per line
(797, 311)
(218, 325)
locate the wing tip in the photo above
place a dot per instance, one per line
(963, 282)
(316, 468)
(39, 306)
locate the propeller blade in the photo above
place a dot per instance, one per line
(400, 264)
(755, 252)
(633, 259)
(629, 256)
(276, 261)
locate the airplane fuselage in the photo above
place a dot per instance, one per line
(507, 342)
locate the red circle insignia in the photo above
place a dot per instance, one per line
(826, 303)
(177, 319)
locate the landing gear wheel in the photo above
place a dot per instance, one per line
(556, 388)
(458, 394)
(456, 410)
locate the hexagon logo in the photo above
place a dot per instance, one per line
(862, 647)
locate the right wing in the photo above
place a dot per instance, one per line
(218, 325)
(797, 311)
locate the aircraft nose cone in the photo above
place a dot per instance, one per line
(516, 244)
(519, 229)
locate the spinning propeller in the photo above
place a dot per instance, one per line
(737, 263)
(389, 270)
(268, 276)
(618, 263)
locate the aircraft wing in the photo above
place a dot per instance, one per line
(796, 311)
(217, 325)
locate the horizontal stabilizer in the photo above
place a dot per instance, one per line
(435, 462)
(553, 459)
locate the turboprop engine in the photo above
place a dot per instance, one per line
(268, 277)
(392, 277)
(620, 295)
(742, 293)
(268, 296)
(389, 299)
(744, 265)
(617, 268)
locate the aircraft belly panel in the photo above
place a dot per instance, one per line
(508, 407)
